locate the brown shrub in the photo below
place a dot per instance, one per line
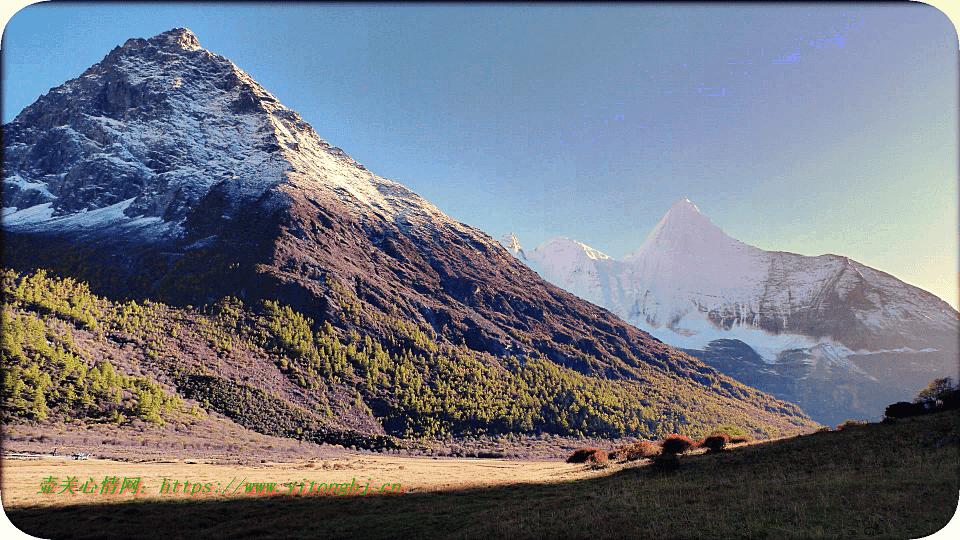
(624, 453)
(583, 454)
(676, 444)
(715, 442)
(635, 451)
(903, 409)
(649, 449)
(598, 460)
(850, 424)
(740, 439)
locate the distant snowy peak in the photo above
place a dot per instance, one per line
(569, 264)
(163, 121)
(568, 248)
(558, 247)
(593, 253)
(839, 338)
(685, 229)
(689, 264)
(690, 283)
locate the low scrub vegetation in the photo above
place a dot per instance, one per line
(665, 454)
(851, 424)
(584, 454)
(598, 460)
(677, 444)
(715, 442)
(941, 394)
(636, 451)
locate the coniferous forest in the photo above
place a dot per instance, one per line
(70, 354)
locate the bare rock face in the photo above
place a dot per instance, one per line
(166, 172)
(839, 338)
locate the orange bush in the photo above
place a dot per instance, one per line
(598, 459)
(584, 454)
(677, 444)
(639, 450)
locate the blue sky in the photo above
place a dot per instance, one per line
(810, 128)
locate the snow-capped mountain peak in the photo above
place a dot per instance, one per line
(692, 286)
(173, 40)
(685, 229)
(157, 124)
(689, 273)
(572, 248)
(687, 264)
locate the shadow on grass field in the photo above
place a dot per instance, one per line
(895, 480)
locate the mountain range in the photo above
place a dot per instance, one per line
(835, 336)
(165, 174)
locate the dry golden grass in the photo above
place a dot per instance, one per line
(22, 478)
(873, 481)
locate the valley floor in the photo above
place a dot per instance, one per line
(884, 480)
(23, 478)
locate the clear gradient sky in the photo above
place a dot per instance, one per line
(809, 128)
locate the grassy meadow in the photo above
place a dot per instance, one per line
(883, 480)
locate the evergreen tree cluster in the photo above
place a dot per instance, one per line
(45, 375)
(407, 378)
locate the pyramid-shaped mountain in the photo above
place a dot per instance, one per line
(831, 334)
(165, 172)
